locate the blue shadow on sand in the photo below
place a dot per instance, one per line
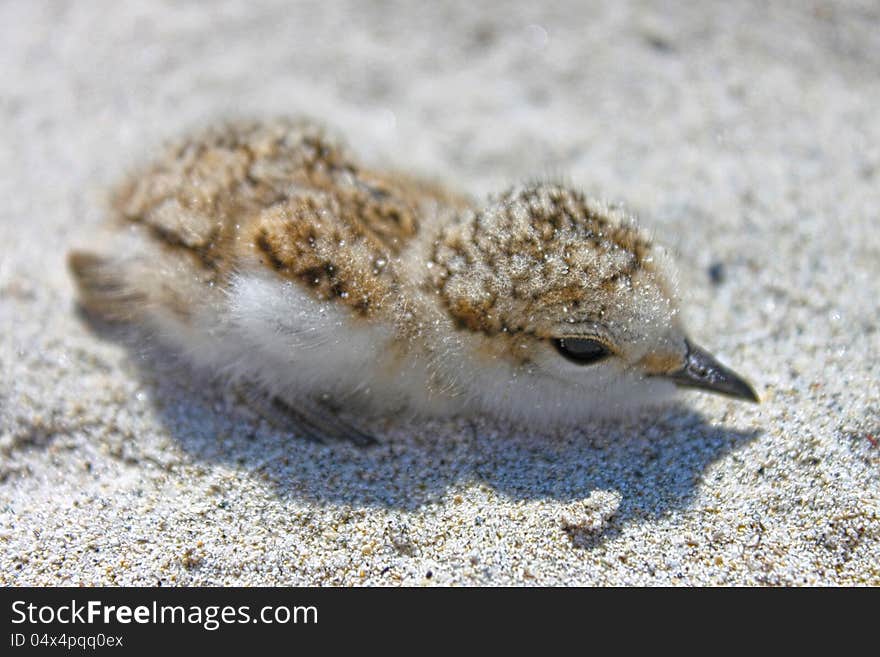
(655, 461)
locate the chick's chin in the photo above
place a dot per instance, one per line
(546, 392)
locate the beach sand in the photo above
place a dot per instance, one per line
(746, 136)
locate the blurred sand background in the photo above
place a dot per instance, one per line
(746, 135)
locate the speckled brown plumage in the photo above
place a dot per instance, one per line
(291, 194)
(535, 249)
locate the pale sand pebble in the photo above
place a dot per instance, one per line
(745, 149)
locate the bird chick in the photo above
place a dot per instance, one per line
(269, 256)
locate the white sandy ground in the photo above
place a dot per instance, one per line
(742, 134)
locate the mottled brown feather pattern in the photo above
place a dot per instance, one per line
(301, 239)
(291, 196)
(289, 193)
(532, 253)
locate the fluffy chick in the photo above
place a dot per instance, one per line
(268, 255)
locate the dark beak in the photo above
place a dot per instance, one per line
(702, 371)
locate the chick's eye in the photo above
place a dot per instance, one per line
(583, 351)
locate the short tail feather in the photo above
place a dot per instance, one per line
(102, 287)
